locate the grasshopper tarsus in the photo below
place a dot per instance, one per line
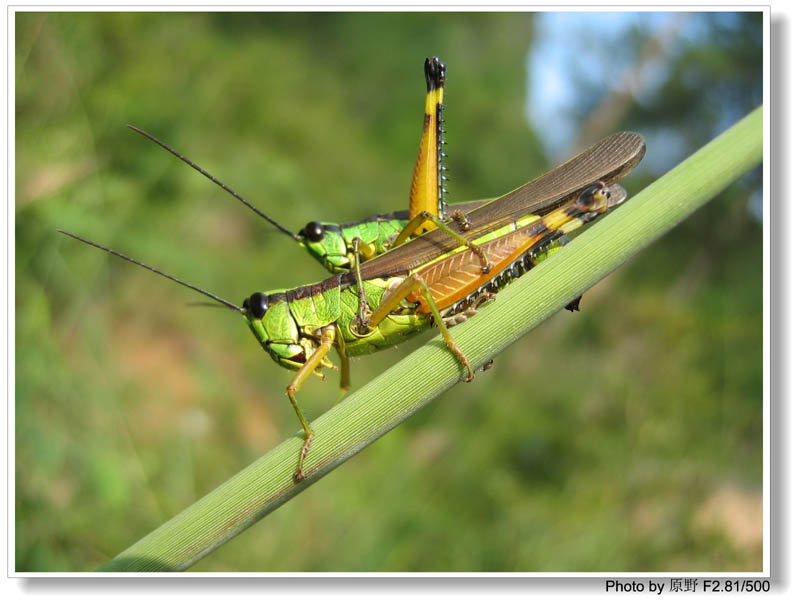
(574, 305)
(461, 218)
(461, 357)
(299, 475)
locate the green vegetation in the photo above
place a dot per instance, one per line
(626, 437)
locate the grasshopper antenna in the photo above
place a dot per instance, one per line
(230, 305)
(205, 173)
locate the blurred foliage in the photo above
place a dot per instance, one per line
(640, 448)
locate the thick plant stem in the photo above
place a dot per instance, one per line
(414, 381)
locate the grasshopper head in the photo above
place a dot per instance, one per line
(597, 199)
(326, 243)
(269, 319)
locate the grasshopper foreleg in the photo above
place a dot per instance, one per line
(326, 341)
(363, 307)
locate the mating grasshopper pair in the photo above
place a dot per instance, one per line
(441, 276)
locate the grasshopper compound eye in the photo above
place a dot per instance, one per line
(594, 197)
(256, 304)
(313, 232)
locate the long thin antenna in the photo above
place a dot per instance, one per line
(230, 305)
(205, 173)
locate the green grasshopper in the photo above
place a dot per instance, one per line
(432, 278)
(340, 247)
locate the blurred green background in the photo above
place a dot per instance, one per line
(131, 404)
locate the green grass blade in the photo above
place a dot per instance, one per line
(408, 386)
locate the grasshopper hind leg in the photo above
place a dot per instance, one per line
(415, 283)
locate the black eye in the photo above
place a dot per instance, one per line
(586, 197)
(256, 304)
(313, 231)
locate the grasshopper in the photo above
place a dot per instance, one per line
(433, 278)
(340, 247)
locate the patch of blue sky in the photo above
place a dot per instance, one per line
(575, 53)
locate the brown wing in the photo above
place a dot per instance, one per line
(609, 160)
(454, 277)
